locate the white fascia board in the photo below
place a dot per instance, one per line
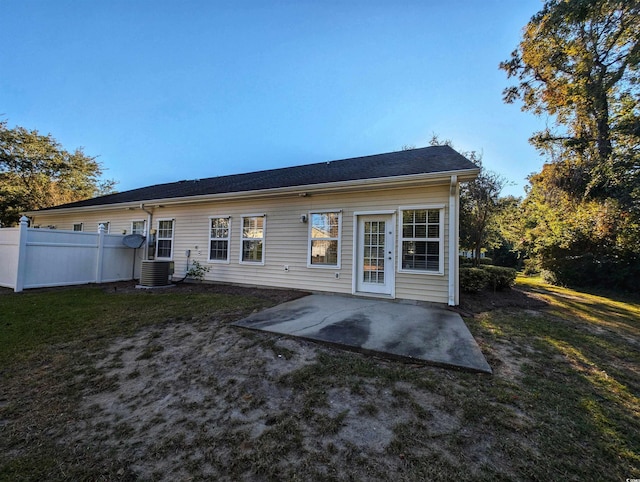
(442, 177)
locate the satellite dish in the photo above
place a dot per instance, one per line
(133, 240)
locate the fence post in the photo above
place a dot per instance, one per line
(22, 254)
(100, 256)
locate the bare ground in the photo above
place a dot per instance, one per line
(201, 399)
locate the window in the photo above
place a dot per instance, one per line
(106, 225)
(422, 243)
(164, 244)
(77, 226)
(253, 239)
(324, 239)
(219, 235)
(137, 227)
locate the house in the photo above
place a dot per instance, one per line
(380, 226)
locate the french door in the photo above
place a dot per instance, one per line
(375, 254)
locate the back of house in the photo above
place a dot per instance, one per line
(381, 226)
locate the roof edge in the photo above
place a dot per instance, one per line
(463, 175)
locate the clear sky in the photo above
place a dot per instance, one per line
(168, 90)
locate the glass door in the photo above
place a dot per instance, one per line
(375, 254)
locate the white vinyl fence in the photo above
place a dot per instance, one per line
(36, 258)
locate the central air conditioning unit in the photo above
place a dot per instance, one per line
(155, 273)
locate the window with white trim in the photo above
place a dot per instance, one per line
(77, 226)
(421, 243)
(137, 227)
(324, 239)
(106, 224)
(164, 243)
(219, 237)
(252, 246)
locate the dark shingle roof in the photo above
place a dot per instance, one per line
(401, 163)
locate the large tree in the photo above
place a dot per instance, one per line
(578, 62)
(36, 172)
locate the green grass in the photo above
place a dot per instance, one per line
(563, 403)
(30, 321)
(581, 378)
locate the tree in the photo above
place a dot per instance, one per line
(479, 205)
(578, 62)
(508, 250)
(579, 242)
(36, 172)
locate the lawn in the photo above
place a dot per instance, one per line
(111, 383)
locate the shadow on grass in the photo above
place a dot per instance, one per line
(584, 379)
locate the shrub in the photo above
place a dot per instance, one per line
(464, 261)
(591, 271)
(505, 255)
(499, 277)
(197, 271)
(473, 280)
(485, 261)
(531, 267)
(549, 277)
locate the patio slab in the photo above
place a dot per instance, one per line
(412, 332)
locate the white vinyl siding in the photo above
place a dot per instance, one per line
(219, 239)
(252, 238)
(421, 246)
(324, 239)
(286, 239)
(164, 240)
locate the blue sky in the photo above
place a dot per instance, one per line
(169, 90)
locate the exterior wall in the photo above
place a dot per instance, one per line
(286, 238)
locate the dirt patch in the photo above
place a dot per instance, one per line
(198, 398)
(472, 304)
(209, 400)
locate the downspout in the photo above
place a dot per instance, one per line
(453, 242)
(148, 233)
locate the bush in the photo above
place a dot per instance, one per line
(464, 261)
(496, 278)
(549, 277)
(591, 271)
(473, 280)
(499, 277)
(197, 271)
(504, 255)
(485, 261)
(531, 267)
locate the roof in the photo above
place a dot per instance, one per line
(426, 160)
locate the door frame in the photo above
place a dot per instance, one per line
(357, 262)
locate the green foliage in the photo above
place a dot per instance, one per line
(495, 278)
(578, 62)
(479, 205)
(500, 278)
(473, 280)
(36, 172)
(197, 271)
(579, 242)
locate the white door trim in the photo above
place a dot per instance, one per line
(391, 236)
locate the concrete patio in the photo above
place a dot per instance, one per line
(412, 332)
